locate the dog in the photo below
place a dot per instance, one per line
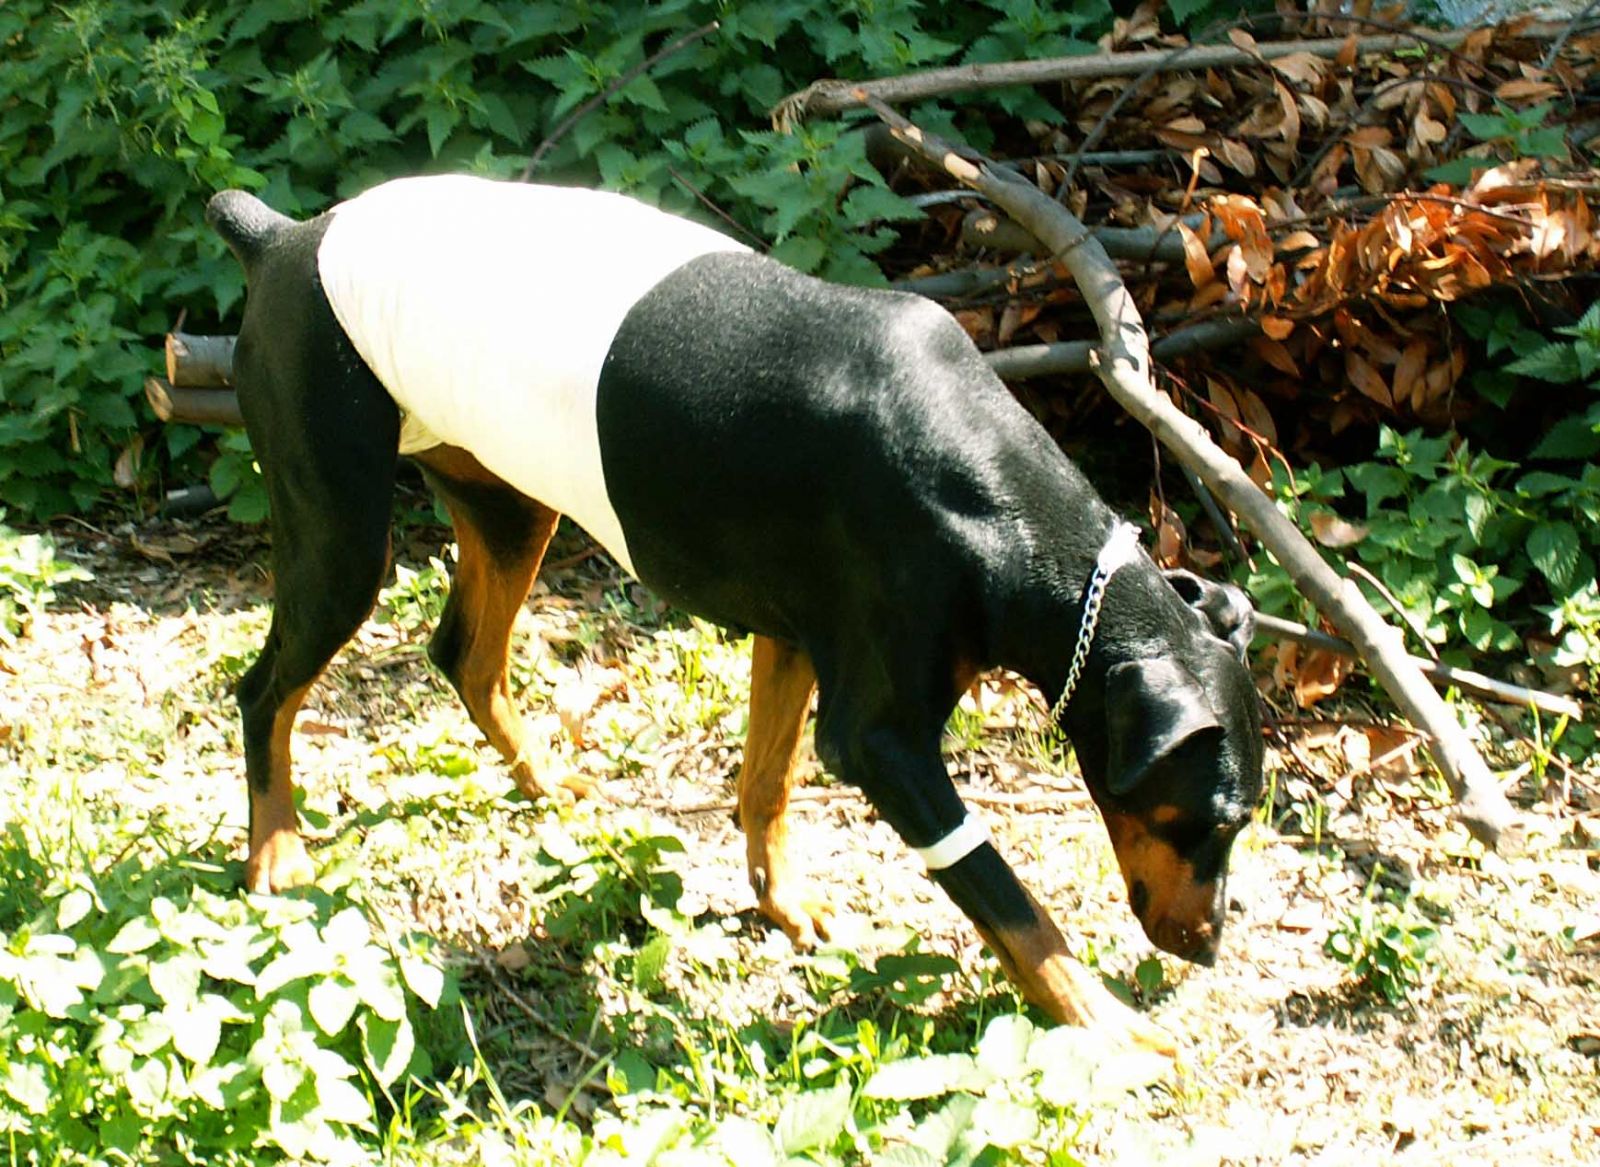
(833, 470)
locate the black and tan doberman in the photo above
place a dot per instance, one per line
(831, 469)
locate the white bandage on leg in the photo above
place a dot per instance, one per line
(955, 846)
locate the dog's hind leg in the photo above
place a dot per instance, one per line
(781, 683)
(501, 535)
(330, 551)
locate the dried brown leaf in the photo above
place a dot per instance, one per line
(1275, 354)
(1236, 156)
(1195, 258)
(1332, 531)
(1256, 415)
(1277, 328)
(1301, 68)
(1409, 369)
(1527, 89)
(1318, 675)
(1299, 241)
(1367, 380)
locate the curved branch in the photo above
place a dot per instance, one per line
(1123, 364)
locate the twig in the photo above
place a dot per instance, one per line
(1409, 746)
(540, 1021)
(577, 557)
(1124, 365)
(605, 95)
(833, 96)
(1406, 617)
(1077, 356)
(705, 201)
(1465, 679)
(1208, 503)
(1571, 26)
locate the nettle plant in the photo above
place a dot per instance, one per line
(1452, 533)
(1388, 945)
(29, 573)
(122, 118)
(145, 1018)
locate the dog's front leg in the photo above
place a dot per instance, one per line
(905, 778)
(1033, 953)
(781, 683)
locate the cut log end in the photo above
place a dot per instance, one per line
(176, 403)
(199, 362)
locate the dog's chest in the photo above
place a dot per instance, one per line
(487, 309)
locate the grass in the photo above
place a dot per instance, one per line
(590, 984)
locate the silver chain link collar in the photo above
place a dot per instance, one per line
(1121, 548)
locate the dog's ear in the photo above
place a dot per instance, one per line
(1226, 609)
(1152, 707)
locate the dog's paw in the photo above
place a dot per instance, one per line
(565, 789)
(803, 920)
(1142, 1034)
(278, 864)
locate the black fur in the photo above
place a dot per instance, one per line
(833, 468)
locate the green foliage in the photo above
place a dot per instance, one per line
(417, 597)
(870, 1096)
(118, 120)
(1453, 533)
(29, 572)
(1386, 945)
(149, 1013)
(1506, 134)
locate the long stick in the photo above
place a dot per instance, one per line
(831, 97)
(1472, 682)
(606, 94)
(1077, 356)
(1123, 364)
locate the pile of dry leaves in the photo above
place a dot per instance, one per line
(1341, 186)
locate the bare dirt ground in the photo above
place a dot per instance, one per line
(1494, 1059)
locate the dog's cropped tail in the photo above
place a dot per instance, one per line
(247, 225)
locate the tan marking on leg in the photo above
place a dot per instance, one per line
(488, 589)
(781, 683)
(278, 858)
(1035, 959)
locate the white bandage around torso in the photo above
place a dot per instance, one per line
(486, 309)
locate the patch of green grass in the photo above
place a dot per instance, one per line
(1387, 944)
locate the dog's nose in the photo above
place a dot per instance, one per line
(1198, 943)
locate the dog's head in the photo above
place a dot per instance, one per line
(1176, 770)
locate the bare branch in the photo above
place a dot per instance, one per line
(1124, 365)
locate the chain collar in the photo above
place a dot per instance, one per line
(1121, 548)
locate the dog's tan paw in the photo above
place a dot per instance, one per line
(278, 864)
(1140, 1033)
(803, 920)
(564, 789)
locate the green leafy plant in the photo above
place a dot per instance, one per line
(29, 573)
(1452, 533)
(159, 1018)
(124, 117)
(1386, 944)
(1506, 133)
(414, 602)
